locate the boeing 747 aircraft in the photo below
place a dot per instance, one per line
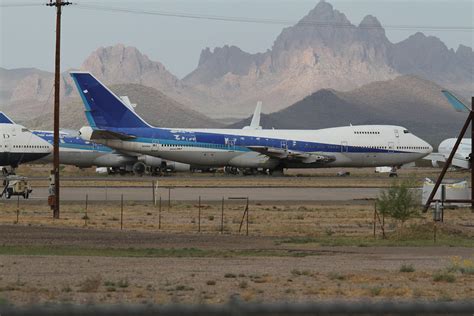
(462, 157)
(18, 145)
(113, 123)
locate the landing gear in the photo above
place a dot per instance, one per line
(276, 172)
(393, 172)
(8, 171)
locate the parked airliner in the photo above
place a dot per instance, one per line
(75, 151)
(18, 145)
(112, 123)
(462, 156)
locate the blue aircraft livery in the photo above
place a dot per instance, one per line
(115, 124)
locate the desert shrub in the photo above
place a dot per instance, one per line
(444, 276)
(90, 284)
(399, 202)
(407, 268)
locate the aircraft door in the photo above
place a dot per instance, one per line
(397, 135)
(284, 144)
(391, 147)
(7, 142)
(154, 145)
(344, 147)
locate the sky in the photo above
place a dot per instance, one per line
(27, 33)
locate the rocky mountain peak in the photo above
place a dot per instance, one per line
(324, 12)
(370, 21)
(126, 64)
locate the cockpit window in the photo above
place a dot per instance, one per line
(405, 131)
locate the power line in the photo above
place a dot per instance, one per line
(98, 7)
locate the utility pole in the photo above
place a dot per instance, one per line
(58, 4)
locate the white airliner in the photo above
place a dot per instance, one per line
(18, 145)
(461, 158)
(113, 123)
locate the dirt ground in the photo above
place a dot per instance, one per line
(294, 251)
(320, 273)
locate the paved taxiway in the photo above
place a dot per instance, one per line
(212, 194)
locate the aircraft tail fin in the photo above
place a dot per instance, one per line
(5, 119)
(457, 104)
(104, 109)
(255, 123)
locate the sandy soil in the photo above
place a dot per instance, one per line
(328, 272)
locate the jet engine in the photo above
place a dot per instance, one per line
(139, 168)
(86, 133)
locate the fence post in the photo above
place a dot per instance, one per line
(375, 216)
(121, 212)
(85, 215)
(18, 210)
(222, 216)
(169, 198)
(159, 214)
(247, 209)
(153, 193)
(199, 215)
(106, 194)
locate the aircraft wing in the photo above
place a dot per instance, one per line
(104, 134)
(457, 162)
(292, 155)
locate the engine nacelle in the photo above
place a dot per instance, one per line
(253, 160)
(139, 168)
(151, 161)
(176, 166)
(86, 133)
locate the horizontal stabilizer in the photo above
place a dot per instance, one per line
(103, 134)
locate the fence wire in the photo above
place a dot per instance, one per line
(237, 308)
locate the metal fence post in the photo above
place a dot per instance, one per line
(222, 216)
(199, 215)
(159, 214)
(121, 212)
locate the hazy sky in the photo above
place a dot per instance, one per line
(27, 33)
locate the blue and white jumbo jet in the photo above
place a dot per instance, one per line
(36, 147)
(113, 123)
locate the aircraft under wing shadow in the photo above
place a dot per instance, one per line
(292, 155)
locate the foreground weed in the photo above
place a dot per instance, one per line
(336, 276)
(375, 290)
(444, 276)
(465, 266)
(90, 284)
(407, 268)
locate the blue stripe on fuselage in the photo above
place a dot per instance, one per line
(221, 141)
(73, 142)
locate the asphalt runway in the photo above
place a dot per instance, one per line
(210, 194)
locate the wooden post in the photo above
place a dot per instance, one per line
(121, 212)
(199, 215)
(18, 209)
(434, 231)
(106, 193)
(247, 210)
(153, 193)
(85, 216)
(159, 214)
(169, 198)
(222, 216)
(375, 216)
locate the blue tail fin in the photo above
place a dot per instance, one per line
(455, 102)
(103, 108)
(5, 119)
